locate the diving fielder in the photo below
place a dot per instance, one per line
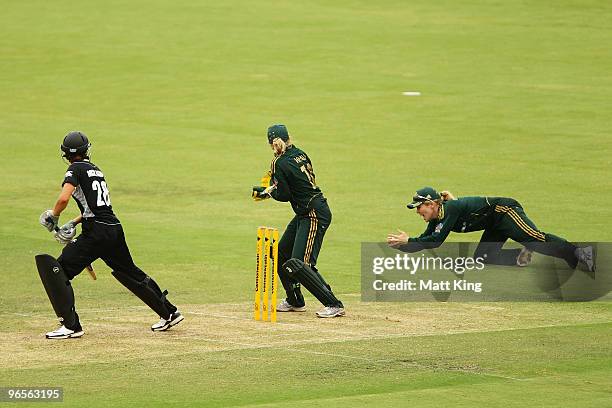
(293, 180)
(101, 237)
(501, 218)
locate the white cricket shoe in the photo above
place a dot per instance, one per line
(524, 258)
(586, 257)
(64, 333)
(163, 324)
(331, 311)
(285, 306)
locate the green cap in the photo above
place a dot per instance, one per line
(423, 195)
(275, 131)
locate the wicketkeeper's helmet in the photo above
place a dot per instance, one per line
(275, 131)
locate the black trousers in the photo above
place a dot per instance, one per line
(99, 241)
(107, 242)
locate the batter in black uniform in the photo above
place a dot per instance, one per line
(101, 237)
(293, 180)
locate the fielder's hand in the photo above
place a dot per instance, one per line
(48, 220)
(66, 233)
(396, 240)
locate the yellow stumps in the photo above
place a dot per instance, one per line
(259, 272)
(274, 279)
(266, 277)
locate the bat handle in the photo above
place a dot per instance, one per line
(91, 272)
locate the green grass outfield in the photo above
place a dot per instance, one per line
(176, 99)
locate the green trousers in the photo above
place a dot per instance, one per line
(511, 222)
(303, 239)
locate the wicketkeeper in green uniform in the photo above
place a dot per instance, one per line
(501, 219)
(292, 179)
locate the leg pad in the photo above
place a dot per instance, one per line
(58, 289)
(148, 291)
(311, 280)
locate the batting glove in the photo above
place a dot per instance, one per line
(66, 233)
(48, 220)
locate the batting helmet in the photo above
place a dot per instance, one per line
(75, 143)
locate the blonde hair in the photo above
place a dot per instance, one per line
(444, 196)
(447, 196)
(280, 146)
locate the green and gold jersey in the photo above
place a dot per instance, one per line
(465, 214)
(295, 180)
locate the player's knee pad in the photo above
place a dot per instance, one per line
(282, 271)
(291, 284)
(293, 267)
(146, 290)
(311, 280)
(297, 268)
(58, 288)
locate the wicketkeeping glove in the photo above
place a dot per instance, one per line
(66, 233)
(48, 220)
(266, 178)
(261, 193)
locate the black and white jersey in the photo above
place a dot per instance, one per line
(91, 193)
